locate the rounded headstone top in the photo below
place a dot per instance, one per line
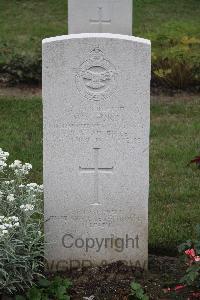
(97, 35)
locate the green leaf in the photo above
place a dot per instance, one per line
(45, 297)
(193, 275)
(135, 286)
(184, 246)
(67, 283)
(193, 268)
(43, 282)
(138, 291)
(34, 294)
(60, 292)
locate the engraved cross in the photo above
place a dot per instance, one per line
(100, 21)
(96, 171)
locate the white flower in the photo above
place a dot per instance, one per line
(2, 163)
(40, 188)
(3, 155)
(28, 166)
(16, 164)
(19, 168)
(21, 186)
(7, 182)
(3, 158)
(34, 187)
(10, 198)
(15, 219)
(8, 225)
(27, 207)
(5, 231)
(2, 227)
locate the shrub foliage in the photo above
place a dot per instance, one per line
(175, 64)
(21, 238)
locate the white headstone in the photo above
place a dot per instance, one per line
(96, 94)
(113, 16)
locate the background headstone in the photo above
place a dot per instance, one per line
(96, 94)
(111, 16)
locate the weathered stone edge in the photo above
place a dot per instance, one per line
(96, 35)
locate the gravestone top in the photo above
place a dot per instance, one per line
(96, 96)
(113, 16)
(97, 35)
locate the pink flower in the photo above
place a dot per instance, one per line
(176, 288)
(179, 287)
(191, 253)
(197, 258)
(195, 295)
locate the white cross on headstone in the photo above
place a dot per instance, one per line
(111, 16)
(96, 170)
(100, 19)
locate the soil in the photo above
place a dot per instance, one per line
(21, 91)
(112, 282)
(157, 95)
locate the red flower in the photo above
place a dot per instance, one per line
(191, 253)
(179, 287)
(196, 161)
(176, 288)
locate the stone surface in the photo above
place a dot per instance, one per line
(96, 92)
(113, 16)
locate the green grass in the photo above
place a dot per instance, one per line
(175, 187)
(21, 132)
(175, 139)
(170, 18)
(23, 24)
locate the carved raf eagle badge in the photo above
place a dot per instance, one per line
(96, 77)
